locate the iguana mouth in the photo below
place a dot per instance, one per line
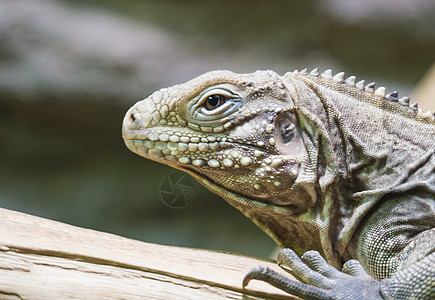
(198, 153)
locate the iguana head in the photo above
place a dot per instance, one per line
(237, 134)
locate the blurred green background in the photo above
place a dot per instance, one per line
(69, 70)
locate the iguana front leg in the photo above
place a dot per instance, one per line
(318, 279)
(398, 248)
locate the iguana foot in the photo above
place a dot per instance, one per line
(318, 279)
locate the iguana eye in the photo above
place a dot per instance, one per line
(214, 101)
(215, 104)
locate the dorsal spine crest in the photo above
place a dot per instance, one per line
(368, 88)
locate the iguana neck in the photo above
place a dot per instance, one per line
(364, 148)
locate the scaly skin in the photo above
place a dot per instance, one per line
(319, 163)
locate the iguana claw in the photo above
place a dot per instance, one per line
(319, 280)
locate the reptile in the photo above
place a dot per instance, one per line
(338, 172)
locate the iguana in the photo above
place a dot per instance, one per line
(334, 170)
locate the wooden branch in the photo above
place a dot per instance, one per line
(44, 259)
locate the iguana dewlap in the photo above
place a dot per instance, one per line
(319, 162)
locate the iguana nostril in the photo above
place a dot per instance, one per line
(135, 120)
(132, 117)
(132, 120)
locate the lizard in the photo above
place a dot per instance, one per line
(338, 172)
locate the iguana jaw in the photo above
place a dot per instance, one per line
(230, 167)
(136, 146)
